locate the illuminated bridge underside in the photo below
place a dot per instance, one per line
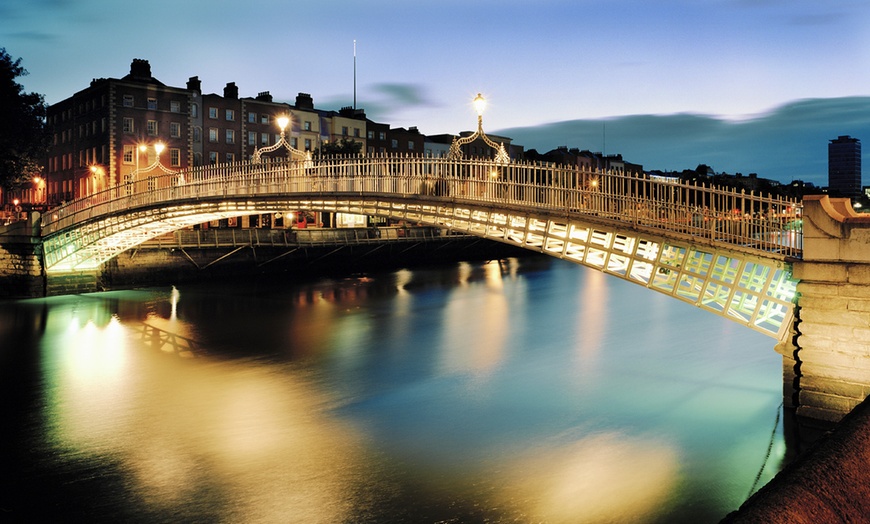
(751, 290)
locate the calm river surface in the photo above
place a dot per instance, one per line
(520, 390)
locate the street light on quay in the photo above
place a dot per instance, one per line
(455, 153)
(283, 121)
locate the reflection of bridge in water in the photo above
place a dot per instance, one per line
(724, 251)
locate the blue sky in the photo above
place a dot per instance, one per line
(421, 63)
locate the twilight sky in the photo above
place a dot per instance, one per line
(421, 63)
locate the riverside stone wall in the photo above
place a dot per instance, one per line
(21, 273)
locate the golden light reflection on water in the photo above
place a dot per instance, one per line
(475, 326)
(262, 439)
(606, 477)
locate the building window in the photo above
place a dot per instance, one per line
(197, 134)
(212, 158)
(370, 135)
(264, 119)
(129, 152)
(264, 139)
(175, 130)
(356, 132)
(175, 106)
(231, 114)
(252, 138)
(308, 125)
(194, 110)
(382, 135)
(294, 143)
(231, 136)
(175, 157)
(212, 134)
(152, 103)
(394, 143)
(344, 131)
(410, 145)
(252, 118)
(128, 126)
(212, 112)
(231, 157)
(152, 127)
(128, 100)
(308, 144)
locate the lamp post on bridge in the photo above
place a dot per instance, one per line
(501, 156)
(283, 121)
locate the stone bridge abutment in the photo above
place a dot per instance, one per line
(827, 363)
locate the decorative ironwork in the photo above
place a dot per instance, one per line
(283, 122)
(501, 156)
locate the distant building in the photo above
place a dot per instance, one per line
(844, 167)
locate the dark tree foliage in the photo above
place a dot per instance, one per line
(24, 137)
(343, 147)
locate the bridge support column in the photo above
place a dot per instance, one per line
(832, 320)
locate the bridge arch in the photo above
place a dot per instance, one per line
(684, 241)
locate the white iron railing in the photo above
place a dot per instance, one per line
(757, 222)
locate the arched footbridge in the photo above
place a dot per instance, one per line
(724, 251)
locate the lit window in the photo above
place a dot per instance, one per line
(129, 151)
(152, 103)
(152, 127)
(175, 130)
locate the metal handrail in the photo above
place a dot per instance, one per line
(764, 223)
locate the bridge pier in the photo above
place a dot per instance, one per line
(827, 363)
(21, 271)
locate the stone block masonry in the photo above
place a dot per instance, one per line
(832, 342)
(21, 271)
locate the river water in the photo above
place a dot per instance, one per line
(519, 390)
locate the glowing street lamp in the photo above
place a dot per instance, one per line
(159, 147)
(455, 153)
(283, 121)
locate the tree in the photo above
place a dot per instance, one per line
(343, 147)
(24, 137)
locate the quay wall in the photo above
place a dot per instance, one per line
(20, 260)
